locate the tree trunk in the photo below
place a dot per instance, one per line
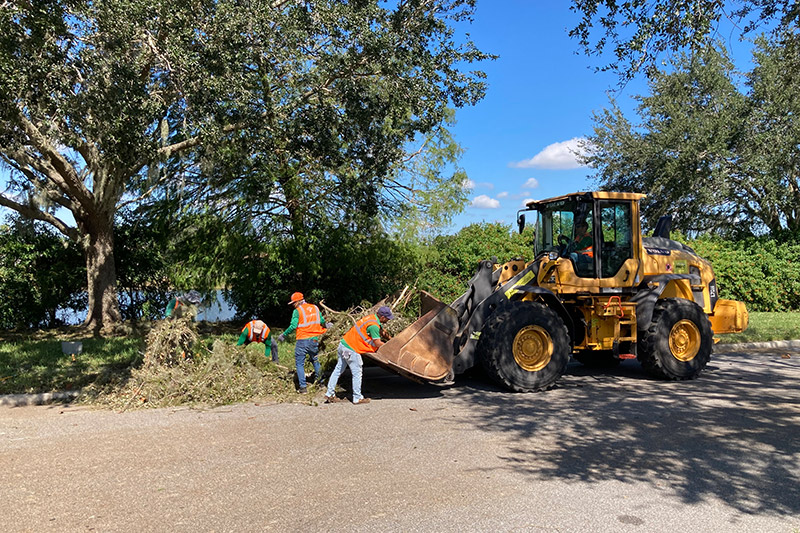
(101, 274)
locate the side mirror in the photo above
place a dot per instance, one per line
(521, 222)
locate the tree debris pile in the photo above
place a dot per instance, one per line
(223, 374)
(181, 369)
(171, 341)
(339, 322)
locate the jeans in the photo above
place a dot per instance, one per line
(353, 360)
(303, 348)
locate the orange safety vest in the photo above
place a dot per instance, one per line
(309, 323)
(257, 331)
(357, 337)
(588, 251)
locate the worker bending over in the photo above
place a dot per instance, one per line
(258, 331)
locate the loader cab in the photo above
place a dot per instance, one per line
(596, 232)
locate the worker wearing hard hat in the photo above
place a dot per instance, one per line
(309, 325)
(258, 331)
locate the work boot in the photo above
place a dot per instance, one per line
(302, 390)
(361, 401)
(332, 399)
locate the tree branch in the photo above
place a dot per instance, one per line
(71, 184)
(54, 196)
(37, 214)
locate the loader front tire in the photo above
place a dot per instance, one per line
(678, 343)
(524, 346)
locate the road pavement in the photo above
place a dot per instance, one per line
(604, 451)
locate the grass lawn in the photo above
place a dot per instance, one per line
(767, 327)
(41, 366)
(35, 362)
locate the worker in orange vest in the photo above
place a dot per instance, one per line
(582, 244)
(364, 337)
(309, 325)
(258, 331)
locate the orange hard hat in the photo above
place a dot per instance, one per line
(296, 297)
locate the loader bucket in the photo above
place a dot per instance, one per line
(424, 350)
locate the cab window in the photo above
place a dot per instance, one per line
(617, 245)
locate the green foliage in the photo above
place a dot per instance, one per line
(335, 266)
(144, 272)
(39, 273)
(427, 188)
(639, 32)
(452, 260)
(762, 272)
(713, 158)
(276, 112)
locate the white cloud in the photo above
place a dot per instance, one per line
(469, 184)
(557, 156)
(485, 202)
(532, 183)
(502, 195)
(525, 202)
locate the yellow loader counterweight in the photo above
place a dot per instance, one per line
(596, 290)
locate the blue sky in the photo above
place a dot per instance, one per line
(541, 96)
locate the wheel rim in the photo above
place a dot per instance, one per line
(533, 348)
(684, 340)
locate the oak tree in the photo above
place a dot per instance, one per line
(107, 104)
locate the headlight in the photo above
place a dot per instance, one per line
(553, 256)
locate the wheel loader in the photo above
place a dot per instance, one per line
(596, 290)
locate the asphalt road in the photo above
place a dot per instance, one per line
(604, 451)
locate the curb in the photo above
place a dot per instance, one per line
(722, 348)
(42, 398)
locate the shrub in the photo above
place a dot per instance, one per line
(763, 272)
(451, 260)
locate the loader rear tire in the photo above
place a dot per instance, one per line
(524, 346)
(678, 343)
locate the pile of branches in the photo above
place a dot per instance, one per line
(179, 369)
(339, 322)
(171, 341)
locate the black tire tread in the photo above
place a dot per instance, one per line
(649, 351)
(489, 347)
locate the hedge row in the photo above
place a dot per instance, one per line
(762, 272)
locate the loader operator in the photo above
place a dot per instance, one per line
(364, 337)
(258, 331)
(310, 325)
(583, 241)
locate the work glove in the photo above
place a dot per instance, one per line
(281, 338)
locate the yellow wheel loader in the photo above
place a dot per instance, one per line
(595, 289)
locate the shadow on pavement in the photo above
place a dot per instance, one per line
(731, 434)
